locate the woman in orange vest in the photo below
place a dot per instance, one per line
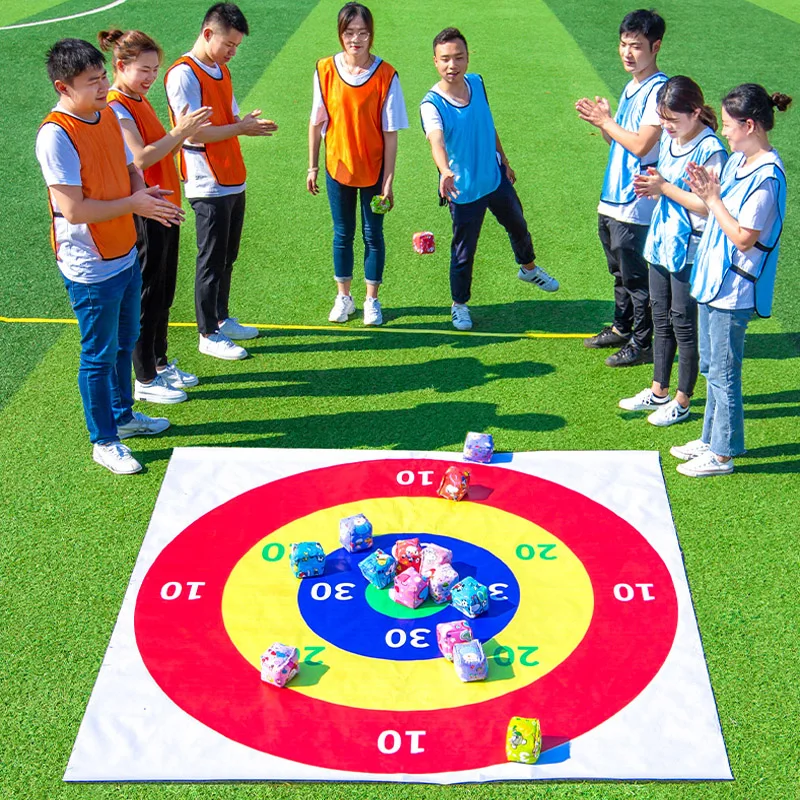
(358, 108)
(136, 59)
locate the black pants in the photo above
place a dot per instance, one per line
(158, 255)
(675, 319)
(218, 222)
(504, 203)
(623, 243)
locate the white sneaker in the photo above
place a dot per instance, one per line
(690, 450)
(177, 378)
(538, 277)
(116, 457)
(158, 391)
(220, 346)
(343, 308)
(669, 414)
(233, 330)
(459, 313)
(705, 466)
(142, 425)
(644, 401)
(372, 311)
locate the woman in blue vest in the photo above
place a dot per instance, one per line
(734, 270)
(671, 243)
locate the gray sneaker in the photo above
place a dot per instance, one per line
(538, 277)
(142, 425)
(459, 313)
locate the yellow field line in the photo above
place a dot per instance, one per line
(335, 328)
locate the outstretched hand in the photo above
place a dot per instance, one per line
(251, 125)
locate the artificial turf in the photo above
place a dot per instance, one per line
(73, 531)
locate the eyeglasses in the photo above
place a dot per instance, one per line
(361, 36)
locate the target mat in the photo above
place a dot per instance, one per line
(590, 626)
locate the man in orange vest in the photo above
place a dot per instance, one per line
(213, 171)
(94, 190)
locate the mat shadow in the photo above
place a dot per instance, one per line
(444, 376)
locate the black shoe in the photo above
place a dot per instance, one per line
(607, 337)
(631, 355)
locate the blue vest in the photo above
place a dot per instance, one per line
(469, 137)
(716, 253)
(671, 227)
(622, 164)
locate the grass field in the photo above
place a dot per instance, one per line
(72, 531)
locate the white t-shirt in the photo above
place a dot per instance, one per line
(183, 89)
(431, 118)
(393, 118)
(78, 257)
(759, 213)
(640, 210)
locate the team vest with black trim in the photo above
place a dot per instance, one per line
(622, 164)
(163, 172)
(716, 253)
(668, 240)
(104, 176)
(224, 158)
(354, 137)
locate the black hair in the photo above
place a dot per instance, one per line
(751, 101)
(68, 58)
(650, 24)
(351, 11)
(227, 16)
(682, 95)
(448, 35)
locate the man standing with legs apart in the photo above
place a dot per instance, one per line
(213, 171)
(474, 174)
(624, 218)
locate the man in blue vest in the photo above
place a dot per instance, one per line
(623, 218)
(474, 174)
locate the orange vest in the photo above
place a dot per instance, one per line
(162, 173)
(104, 176)
(224, 158)
(354, 137)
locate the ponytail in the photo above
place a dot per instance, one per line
(127, 46)
(751, 101)
(709, 117)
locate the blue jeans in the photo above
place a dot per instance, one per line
(721, 340)
(467, 218)
(343, 200)
(108, 319)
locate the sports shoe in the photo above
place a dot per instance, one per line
(372, 311)
(705, 466)
(158, 391)
(538, 277)
(220, 346)
(646, 400)
(177, 378)
(607, 337)
(343, 308)
(142, 425)
(233, 330)
(459, 313)
(690, 450)
(630, 355)
(116, 457)
(669, 414)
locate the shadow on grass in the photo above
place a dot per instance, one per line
(442, 375)
(772, 345)
(430, 426)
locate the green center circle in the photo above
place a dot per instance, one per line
(380, 601)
